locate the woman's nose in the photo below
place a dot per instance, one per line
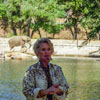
(46, 51)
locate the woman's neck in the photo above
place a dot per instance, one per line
(45, 63)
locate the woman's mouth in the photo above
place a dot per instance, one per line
(47, 57)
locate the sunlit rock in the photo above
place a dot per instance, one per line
(34, 57)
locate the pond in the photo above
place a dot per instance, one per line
(83, 77)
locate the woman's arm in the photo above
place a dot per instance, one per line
(63, 86)
(29, 83)
(51, 90)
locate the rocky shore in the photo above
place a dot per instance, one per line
(61, 48)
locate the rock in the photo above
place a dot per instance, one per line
(2, 54)
(16, 58)
(34, 57)
(23, 50)
(9, 55)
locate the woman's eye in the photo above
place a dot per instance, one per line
(43, 49)
(49, 49)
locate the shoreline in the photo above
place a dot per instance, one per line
(66, 48)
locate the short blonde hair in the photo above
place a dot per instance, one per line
(38, 43)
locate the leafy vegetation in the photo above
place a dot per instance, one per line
(25, 17)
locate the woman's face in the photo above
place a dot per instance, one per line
(45, 52)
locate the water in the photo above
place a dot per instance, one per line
(83, 77)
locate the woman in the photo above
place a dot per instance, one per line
(43, 80)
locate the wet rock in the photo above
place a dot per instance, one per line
(2, 54)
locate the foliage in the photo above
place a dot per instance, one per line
(22, 14)
(74, 15)
(91, 19)
(85, 13)
(27, 15)
(44, 12)
(3, 15)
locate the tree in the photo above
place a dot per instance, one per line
(82, 12)
(73, 15)
(3, 15)
(27, 15)
(14, 15)
(44, 16)
(91, 19)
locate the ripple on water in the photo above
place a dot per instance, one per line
(83, 77)
(84, 91)
(10, 91)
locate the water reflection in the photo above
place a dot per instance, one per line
(82, 75)
(83, 78)
(11, 75)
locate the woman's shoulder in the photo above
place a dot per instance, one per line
(32, 67)
(56, 66)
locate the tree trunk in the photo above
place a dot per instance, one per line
(53, 35)
(32, 33)
(99, 35)
(13, 28)
(28, 30)
(71, 32)
(20, 29)
(75, 32)
(70, 28)
(86, 33)
(39, 33)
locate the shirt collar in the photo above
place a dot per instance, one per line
(49, 64)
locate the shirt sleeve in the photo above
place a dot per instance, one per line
(29, 89)
(63, 83)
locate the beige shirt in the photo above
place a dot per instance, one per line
(35, 80)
